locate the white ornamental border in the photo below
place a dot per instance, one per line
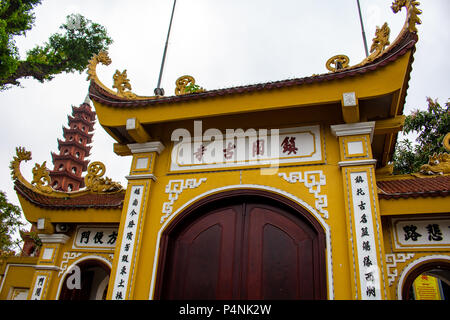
(313, 185)
(174, 188)
(391, 264)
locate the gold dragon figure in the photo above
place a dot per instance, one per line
(103, 58)
(21, 155)
(94, 181)
(121, 81)
(413, 12)
(40, 172)
(438, 164)
(41, 177)
(381, 40)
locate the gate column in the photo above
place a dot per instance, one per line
(363, 221)
(134, 211)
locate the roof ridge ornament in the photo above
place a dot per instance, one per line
(40, 172)
(94, 181)
(438, 164)
(412, 12)
(186, 85)
(41, 178)
(121, 81)
(339, 62)
(21, 155)
(381, 41)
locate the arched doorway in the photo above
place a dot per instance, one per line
(242, 244)
(437, 269)
(92, 285)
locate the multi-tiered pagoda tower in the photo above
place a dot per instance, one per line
(70, 163)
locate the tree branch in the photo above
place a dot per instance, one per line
(38, 71)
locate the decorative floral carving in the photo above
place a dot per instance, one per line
(186, 85)
(174, 188)
(41, 177)
(337, 62)
(122, 83)
(380, 42)
(413, 12)
(96, 183)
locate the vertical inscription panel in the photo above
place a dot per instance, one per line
(39, 286)
(364, 232)
(126, 256)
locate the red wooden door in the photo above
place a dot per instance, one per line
(245, 249)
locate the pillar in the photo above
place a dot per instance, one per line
(46, 268)
(362, 210)
(126, 254)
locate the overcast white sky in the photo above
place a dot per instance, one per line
(220, 43)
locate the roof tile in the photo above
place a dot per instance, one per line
(419, 187)
(84, 201)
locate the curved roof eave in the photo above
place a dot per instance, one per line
(405, 42)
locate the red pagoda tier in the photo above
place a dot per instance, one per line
(70, 162)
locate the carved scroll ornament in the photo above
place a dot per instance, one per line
(186, 85)
(337, 62)
(96, 183)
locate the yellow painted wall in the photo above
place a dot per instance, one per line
(16, 272)
(225, 178)
(314, 104)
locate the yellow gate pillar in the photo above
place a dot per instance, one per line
(126, 254)
(46, 269)
(362, 209)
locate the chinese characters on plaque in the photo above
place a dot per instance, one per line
(365, 237)
(422, 233)
(123, 272)
(248, 148)
(38, 288)
(96, 237)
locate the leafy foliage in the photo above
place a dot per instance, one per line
(69, 51)
(431, 125)
(9, 224)
(192, 88)
(16, 19)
